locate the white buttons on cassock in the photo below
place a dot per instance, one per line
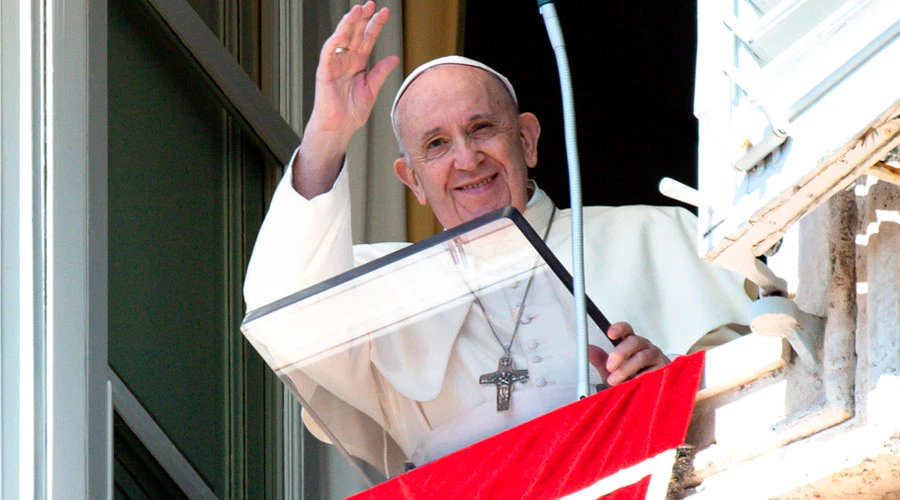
(540, 382)
(527, 318)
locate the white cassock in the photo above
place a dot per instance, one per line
(389, 401)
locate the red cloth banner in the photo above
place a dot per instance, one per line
(617, 444)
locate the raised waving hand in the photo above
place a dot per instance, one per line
(345, 94)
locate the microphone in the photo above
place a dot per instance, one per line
(551, 21)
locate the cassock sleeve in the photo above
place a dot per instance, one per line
(642, 267)
(301, 242)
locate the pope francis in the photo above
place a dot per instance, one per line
(465, 150)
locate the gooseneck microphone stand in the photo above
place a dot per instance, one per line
(551, 21)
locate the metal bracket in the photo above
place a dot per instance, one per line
(753, 151)
(776, 316)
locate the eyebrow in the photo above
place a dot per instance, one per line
(478, 116)
(428, 133)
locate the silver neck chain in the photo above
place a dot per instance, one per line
(508, 347)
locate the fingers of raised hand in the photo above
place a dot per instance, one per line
(372, 30)
(378, 74)
(360, 17)
(356, 32)
(338, 44)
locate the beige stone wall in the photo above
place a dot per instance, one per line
(829, 430)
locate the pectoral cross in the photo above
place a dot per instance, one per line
(504, 378)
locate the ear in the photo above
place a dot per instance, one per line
(529, 131)
(406, 175)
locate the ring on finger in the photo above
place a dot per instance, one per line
(340, 50)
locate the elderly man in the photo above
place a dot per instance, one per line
(466, 151)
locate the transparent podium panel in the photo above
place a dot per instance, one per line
(415, 341)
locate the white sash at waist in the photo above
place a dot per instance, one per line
(484, 420)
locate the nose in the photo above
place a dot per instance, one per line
(468, 156)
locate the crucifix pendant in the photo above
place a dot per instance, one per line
(504, 378)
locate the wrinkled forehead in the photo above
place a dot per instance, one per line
(447, 96)
(449, 60)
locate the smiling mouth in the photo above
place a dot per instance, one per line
(478, 184)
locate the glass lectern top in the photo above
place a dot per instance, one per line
(491, 259)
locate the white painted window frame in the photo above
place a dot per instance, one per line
(287, 47)
(239, 93)
(157, 442)
(55, 392)
(56, 434)
(834, 101)
(748, 210)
